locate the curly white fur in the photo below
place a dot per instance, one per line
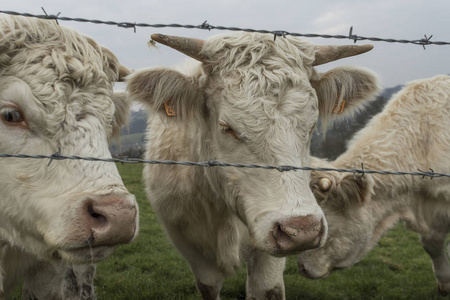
(59, 85)
(410, 133)
(253, 100)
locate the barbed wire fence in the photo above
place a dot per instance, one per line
(214, 163)
(206, 26)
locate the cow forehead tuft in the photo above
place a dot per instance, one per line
(253, 70)
(69, 53)
(69, 74)
(245, 50)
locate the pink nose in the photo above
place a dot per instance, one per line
(111, 219)
(297, 234)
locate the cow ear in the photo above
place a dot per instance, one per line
(354, 189)
(343, 91)
(121, 112)
(166, 91)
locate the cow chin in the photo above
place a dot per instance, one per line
(313, 269)
(84, 255)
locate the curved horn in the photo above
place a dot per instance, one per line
(189, 46)
(324, 184)
(326, 54)
(123, 72)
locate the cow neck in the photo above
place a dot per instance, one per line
(391, 198)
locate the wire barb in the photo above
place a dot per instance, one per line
(51, 16)
(352, 36)
(430, 174)
(211, 163)
(279, 33)
(56, 155)
(127, 25)
(205, 25)
(425, 41)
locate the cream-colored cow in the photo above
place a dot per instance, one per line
(251, 100)
(412, 132)
(58, 219)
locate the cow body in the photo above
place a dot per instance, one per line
(58, 219)
(250, 101)
(410, 133)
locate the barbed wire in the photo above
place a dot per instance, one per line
(214, 163)
(206, 26)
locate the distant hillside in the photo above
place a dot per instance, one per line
(132, 138)
(138, 123)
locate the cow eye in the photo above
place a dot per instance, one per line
(228, 130)
(12, 116)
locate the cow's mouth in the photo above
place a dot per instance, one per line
(83, 255)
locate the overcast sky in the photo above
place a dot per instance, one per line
(395, 63)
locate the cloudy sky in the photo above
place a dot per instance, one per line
(395, 63)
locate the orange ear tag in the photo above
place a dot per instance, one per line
(339, 109)
(170, 109)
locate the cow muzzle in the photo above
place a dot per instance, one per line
(311, 273)
(98, 224)
(111, 220)
(297, 234)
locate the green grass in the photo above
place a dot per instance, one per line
(150, 268)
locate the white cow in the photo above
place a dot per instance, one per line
(412, 132)
(252, 100)
(56, 94)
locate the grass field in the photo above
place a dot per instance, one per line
(150, 268)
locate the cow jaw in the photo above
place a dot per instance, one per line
(343, 248)
(84, 255)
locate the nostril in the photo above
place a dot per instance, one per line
(99, 219)
(301, 268)
(284, 236)
(303, 271)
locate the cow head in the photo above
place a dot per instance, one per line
(343, 198)
(56, 94)
(253, 100)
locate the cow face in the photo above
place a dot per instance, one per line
(343, 198)
(252, 101)
(56, 95)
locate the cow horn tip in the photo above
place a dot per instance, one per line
(324, 184)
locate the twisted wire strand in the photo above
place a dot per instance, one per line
(205, 26)
(126, 160)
